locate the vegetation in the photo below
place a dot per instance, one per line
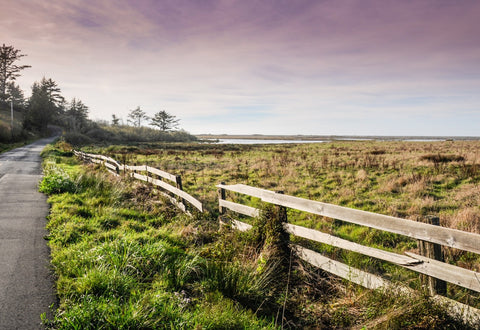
(47, 106)
(164, 121)
(9, 70)
(126, 259)
(136, 116)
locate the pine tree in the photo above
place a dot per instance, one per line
(164, 121)
(136, 116)
(9, 71)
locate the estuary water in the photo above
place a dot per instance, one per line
(260, 141)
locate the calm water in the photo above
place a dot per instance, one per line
(253, 141)
(260, 141)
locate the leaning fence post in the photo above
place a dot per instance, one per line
(178, 181)
(221, 196)
(432, 251)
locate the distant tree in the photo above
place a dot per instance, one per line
(53, 92)
(115, 120)
(136, 116)
(164, 121)
(9, 71)
(76, 115)
(45, 106)
(15, 92)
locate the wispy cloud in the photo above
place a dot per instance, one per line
(290, 66)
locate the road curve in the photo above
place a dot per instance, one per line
(26, 282)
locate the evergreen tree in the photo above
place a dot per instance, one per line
(115, 120)
(9, 71)
(136, 116)
(76, 115)
(164, 121)
(14, 91)
(45, 106)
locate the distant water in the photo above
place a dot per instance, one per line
(260, 141)
(272, 141)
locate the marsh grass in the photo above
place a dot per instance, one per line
(124, 258)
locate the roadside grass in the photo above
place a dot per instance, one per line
(404, 179)
(126, 259)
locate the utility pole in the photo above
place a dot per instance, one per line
(11, 115)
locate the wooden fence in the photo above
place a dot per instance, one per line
(431, 237)
(177, 196)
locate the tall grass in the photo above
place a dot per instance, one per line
(126, 260)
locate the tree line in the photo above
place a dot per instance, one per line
(47, 106)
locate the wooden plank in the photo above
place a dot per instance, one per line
(342, 270)
(318, 236)
(239, 208)
(441, 235)
(110, 166)
(161, 173)
(174, 190)
(141, 177)
(114, 162)
(239, 225)
(112, 172)
(136, 168)
(181, 206)
(450, 273)
(242, 226)
(469, 314)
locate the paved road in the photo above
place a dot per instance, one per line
(26, 283)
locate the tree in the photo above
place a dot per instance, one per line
(9, 71)
(76, 115)
(115, 120)
(15, 92)
(45, 106)
(137, 116)
(164, 121)
(53, 92)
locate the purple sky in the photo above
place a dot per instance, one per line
(384, 67)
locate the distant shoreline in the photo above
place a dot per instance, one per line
(334, 137)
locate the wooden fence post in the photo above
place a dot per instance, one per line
(281, 211)
(221, 196)
(178, 181)
(284, 237)
(432, 251)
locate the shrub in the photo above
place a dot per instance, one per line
(56, 181)
(77, 139)
(439, 158)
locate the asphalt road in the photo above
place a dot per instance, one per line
(26, 282)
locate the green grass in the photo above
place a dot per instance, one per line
(121, 266)
(125, 259)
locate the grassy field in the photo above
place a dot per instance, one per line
(124, 258)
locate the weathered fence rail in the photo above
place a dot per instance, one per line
(416, 230)
(431, 237)
(177, 197)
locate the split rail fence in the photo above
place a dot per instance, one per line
(175, 193)
(430, 236)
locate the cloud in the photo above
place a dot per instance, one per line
(312, 63)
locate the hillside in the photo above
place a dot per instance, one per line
(20, 135)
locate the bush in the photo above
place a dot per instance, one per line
(77, 139)
(56, 181)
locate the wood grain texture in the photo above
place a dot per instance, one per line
(435, 234)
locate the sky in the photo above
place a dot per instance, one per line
(313, 67)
